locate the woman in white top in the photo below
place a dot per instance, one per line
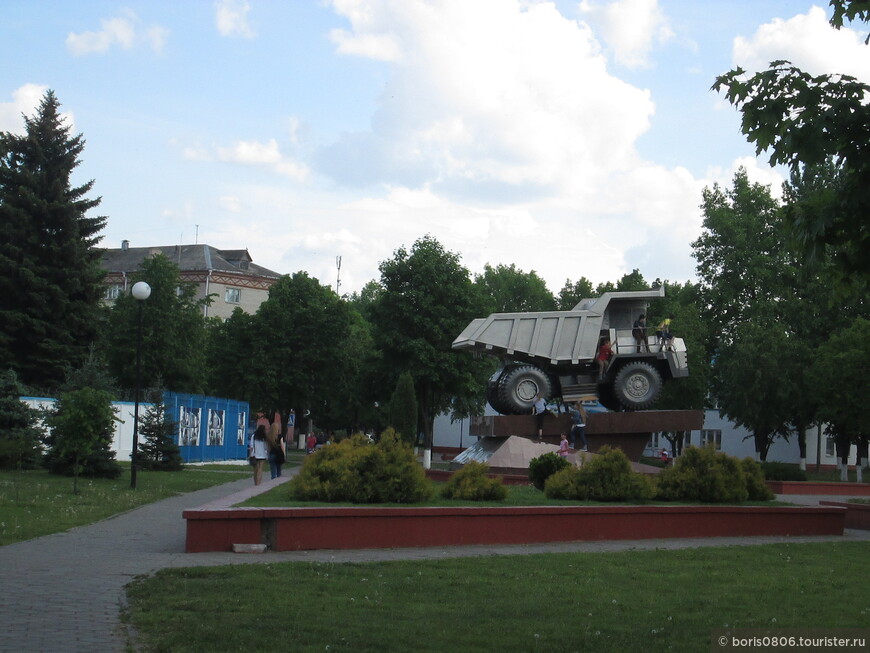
(259, 451)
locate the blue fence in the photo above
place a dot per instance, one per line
(209, 428)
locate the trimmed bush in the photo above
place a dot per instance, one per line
(358, 471)
(755, 485)
(782, 472)
(542, 467)
(704, 475)
(472, 484)
(607, 476)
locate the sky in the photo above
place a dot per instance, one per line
(570, 138)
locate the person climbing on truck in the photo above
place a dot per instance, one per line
(605, 353)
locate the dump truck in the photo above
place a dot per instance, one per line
(554, 353)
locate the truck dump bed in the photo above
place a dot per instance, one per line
(556, 336)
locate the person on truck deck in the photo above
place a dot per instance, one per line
(639, 333)
(605, 353)
(664, 332)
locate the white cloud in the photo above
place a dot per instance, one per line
(496, 94)
(809, 42)
(231, 18)
(631, 28)
(251, 153)
(25, 101)
(125, 32)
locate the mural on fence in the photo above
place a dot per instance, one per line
(242, 429)
(215, 427)
(188, 426)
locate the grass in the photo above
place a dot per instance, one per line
(628, 601)
(35, 503)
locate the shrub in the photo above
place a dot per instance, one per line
(704, 475)
(356, 471)
(542, 467)
(564, 484)
(755, 485)
(605, 477)
(158, 450)
(82, 428)
(19, 435)
(472, 484)
(782, 472)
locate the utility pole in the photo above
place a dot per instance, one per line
(338, 276)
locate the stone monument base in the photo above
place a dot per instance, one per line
(629, 431)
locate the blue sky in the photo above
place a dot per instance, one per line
(569, 138)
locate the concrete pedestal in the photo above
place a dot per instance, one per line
(630, 431)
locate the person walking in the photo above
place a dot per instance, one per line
(258, 451)
(276, 449)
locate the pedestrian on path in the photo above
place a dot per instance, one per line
(258, 451)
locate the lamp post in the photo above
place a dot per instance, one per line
(141, 292)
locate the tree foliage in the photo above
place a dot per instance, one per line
(158, 450)
(427, 300)
(510, 290)
(842, 365)
(297, 351)
(173, 333)
(573, 292)
(49, 268)
(19, 435)
(80, 443)
(403, 409)
(803, 121)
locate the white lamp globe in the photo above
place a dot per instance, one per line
(141, 290)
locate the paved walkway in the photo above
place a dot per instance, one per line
(63, 593)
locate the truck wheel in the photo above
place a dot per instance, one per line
(492, 398)
(518, 387)
(637, 385)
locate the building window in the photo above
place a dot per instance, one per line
(830, 446)
(712, 436)
(687, 439)
(233, 296)
(112, 293)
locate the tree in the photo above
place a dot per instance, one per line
(510, 290)
(841, 366)
(806, 120)
(742, 258)
(299, 336)
(158, 450)
(49, 268)
(81, 436)
(573, 293)
(751, 388)
(427, 300)
(173, 332)
(403, 409)
(19, 435)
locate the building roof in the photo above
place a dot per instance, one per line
(188, 258)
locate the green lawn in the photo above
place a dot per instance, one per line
(628, 601)
(35, 503)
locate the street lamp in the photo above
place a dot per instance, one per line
(141, 292)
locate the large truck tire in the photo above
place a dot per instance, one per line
(493, 400)
(518, 386)
(637, 385)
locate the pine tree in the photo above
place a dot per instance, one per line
(158, 450)
(19, 436)
(49, 268)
